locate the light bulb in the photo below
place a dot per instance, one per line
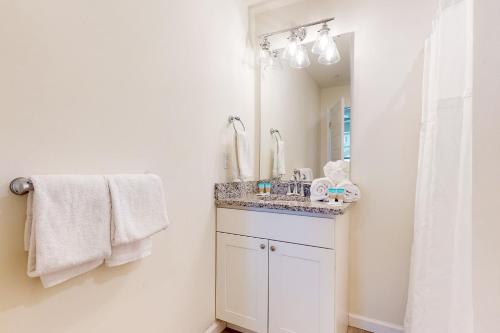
(330, 56)
(300, 59)
(323, 41)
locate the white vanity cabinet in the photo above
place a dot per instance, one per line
(280, 273)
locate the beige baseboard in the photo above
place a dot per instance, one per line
(216, 327)
(373, 325)
(355, 320)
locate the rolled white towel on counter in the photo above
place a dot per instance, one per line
(337, 171)
(352, 192)
(319, 189)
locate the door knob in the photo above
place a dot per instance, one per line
(272, 248)
(262, 246)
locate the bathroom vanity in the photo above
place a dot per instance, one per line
(281, 262)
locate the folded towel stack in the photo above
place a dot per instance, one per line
(337, 171)
(319, 189)
(337, 174)
(75, 223)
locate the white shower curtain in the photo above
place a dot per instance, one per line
(440, 291)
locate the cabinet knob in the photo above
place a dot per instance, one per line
(262, 246)
(272, 248)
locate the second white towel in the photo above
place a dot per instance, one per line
(137, 212)
(352, 192)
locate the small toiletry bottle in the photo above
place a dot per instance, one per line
(332, 195)
(268, 188)
(340, 196)
(261, 187)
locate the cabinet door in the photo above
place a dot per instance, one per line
(242, 281)
(301, 289)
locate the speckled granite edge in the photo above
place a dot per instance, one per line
(242, 195)
(239, 189)
(319, 208)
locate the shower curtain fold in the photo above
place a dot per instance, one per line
(440, 290)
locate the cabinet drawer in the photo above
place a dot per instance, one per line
(297, 229)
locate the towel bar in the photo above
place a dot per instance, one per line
(21, 186)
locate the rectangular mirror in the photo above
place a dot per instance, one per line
(305, 113)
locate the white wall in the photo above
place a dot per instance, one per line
(120, 86)
(290, 102)
(386, 104)
(486, 166)
(329, 97)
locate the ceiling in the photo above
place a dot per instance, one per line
(260, 6)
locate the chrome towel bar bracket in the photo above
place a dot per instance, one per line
(21, 186)
(232, 119)
(274, 131)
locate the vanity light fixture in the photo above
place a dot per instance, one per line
(330, 56)
(326, 47)
(300, 59)
(266, 57)
(269, 59)
(295, 52)
(291, 47)
(276, 61)
(323, 40)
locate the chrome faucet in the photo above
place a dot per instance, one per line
(295, 180)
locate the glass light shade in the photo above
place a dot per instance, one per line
(276, 62)
(300, 59)
(322, 42)
(291, 48)
(266, 58)
(330, 56)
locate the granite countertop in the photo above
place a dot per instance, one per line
(244, 196)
